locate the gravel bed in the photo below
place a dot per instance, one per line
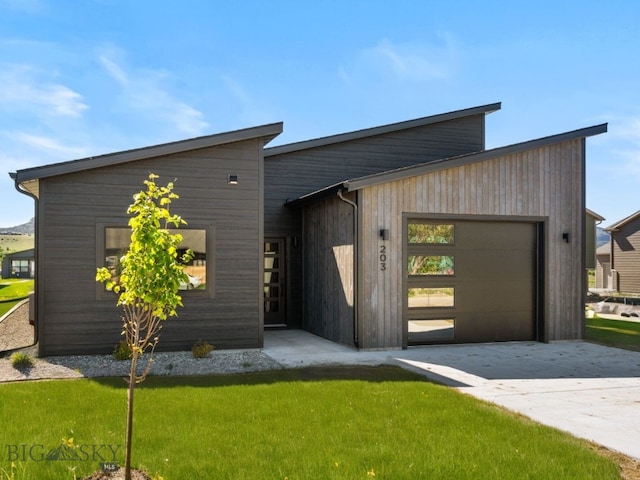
(164, 363)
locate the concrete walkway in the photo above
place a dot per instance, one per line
(590, 391)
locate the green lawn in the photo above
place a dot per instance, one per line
(364, 423)
(614, 333)
(12, 291)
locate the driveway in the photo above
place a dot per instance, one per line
(590, 391)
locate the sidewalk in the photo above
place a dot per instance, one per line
(590, 391)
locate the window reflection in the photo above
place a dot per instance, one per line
(117, 241)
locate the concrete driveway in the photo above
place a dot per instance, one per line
(590, 391)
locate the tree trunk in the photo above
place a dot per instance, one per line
(132, 384)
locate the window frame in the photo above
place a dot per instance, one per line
(210, 231)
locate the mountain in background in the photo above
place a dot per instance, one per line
(602, 237)
(24, 229)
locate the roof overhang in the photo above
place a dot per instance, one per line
(381, 130)
(617, 226)
(449, 162)
(596, 217)
(27, 179)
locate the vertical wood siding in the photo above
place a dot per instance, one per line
(80, 321)
(543, 183)
(328, 270)
(291, 175)
(626, 256)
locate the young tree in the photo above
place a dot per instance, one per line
(147, 286)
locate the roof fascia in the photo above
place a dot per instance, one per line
(461, 160)
(617, 226)
(267, 132)
(597, 217)
(380, 130)
(317, 195)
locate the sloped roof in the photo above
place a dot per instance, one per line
(450, 162)
(597, 217)
(623, 222)
(268, 132)
(381, 130)
(604, 249)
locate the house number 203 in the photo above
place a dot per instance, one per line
(383, 257)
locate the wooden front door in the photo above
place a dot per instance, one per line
(274, 283)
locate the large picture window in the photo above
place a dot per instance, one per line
(116, 243)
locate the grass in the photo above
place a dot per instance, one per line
(16, 243)
(613, 333)
(349, 423)
(12, 291)
(21, 361)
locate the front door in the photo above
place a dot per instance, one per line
(274, 286)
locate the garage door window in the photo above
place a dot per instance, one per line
(431, 233)
(431, 265)
(436, 297)
(432, 330)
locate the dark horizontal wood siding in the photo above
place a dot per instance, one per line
(328, 279)
(626, 256)
(542, 184)
(80, 318)
(291, 175)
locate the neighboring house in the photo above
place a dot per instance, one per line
(603, 267)
(620, 269)
(591, 232)
(381, 238)
(19, 264)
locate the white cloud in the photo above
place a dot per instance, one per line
(622, 141)
(48, 146)
(414, 62)
(114, 70)
(147, 93)
(21, 88)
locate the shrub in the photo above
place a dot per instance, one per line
(122, 351)
(21, 361)
(201, 349)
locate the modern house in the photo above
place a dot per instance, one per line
(382, 238)
(19, 264)
(618, 263)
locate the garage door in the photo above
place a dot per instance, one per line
(471, 281)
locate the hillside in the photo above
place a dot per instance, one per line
(24, 229)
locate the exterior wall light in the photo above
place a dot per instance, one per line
(566, 237)
(232, 179)
(384, 234)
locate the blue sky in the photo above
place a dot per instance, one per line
(82, 78)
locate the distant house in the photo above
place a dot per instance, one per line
(19, 264)
(618, 263)
(397, 235)
(592, 220)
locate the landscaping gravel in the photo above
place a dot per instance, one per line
(164, 363)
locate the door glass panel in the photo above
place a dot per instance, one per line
(271, 262)
(271, 306)
(431, 297)
(270, 291)
(270, 277)
(431, 330)
(271, 247)
(274, 282)
(431, 233)
(430, 265)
